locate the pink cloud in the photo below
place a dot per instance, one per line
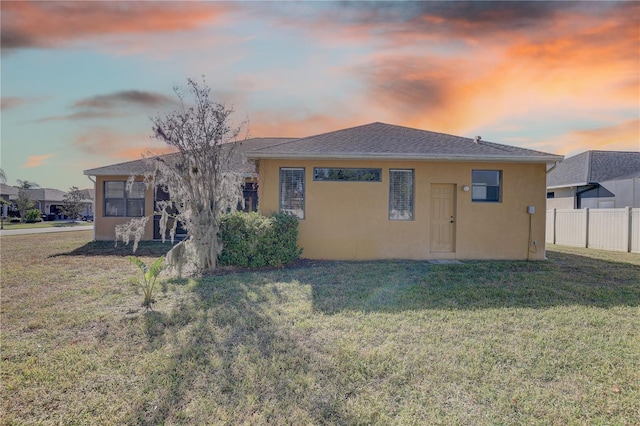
(49, 24)
(108, 145)
(36, 160)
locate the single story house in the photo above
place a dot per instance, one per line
(114, 205)
(48, 200)
(380, 191)
(595, 179)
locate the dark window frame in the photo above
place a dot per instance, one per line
(374, 170)
(290, 208)
(125, 199)
(490, 196)
(393, 198)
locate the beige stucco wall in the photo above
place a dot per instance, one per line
(105, 227)
(349, 220)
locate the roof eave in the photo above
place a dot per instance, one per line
(569, 185)
(405, 157)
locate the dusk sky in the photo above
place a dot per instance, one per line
(80, 80)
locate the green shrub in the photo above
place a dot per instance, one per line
(254, 241)
(33, 215)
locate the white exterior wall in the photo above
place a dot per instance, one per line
(627, 192)
(564, 198)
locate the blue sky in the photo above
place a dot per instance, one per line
(80, 80)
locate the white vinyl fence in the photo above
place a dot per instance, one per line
(606, 229)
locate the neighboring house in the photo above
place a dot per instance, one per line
(595, 179)
(7, 193)
(48, 200)
(89, 200)
(114, 205)
(380, 191)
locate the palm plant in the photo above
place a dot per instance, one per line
(149, 277)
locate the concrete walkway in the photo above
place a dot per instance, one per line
(8, 232)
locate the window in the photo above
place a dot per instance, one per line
(486, 185)
(120, 202)
(400, 194)
(292, 191)
(551, 195)
(347, 174)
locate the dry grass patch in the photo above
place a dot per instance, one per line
(321, 343)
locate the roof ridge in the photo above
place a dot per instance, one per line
(589, 166)
(289, 140)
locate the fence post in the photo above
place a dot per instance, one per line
(629, 231)
(586, 231)
(554, 224)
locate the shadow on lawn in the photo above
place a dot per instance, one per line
(392, 286)
(108, 248)
(563, 280)
(227, 344)
(234, 353)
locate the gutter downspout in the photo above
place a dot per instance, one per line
(555, 164)
(94, 206)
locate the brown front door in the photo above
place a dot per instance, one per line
(443, 217)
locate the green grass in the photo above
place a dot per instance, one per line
(393, 342)
(10, 225)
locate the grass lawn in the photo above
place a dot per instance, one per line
(55, 224)
(390, 342)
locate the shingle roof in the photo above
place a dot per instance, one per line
(142, 166)
(46, 194)
(593, 167)
(8, 190)
(386, 141)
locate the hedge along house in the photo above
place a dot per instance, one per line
(380, 191)
(114, 205)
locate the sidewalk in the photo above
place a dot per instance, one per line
(8, 232)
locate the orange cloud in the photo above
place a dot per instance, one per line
(290, 124)
(111, 145)
(142, 152)
(47, 24)
(620, 137)
(579, 65)
(36, 160)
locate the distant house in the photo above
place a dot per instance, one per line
(48, 200)
(9, 194)
(595, 179)
(114, 205)
(89, 197)
(380, 191)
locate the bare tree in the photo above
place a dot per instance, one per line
(3, 176)
(73, 203)
(202, 177)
